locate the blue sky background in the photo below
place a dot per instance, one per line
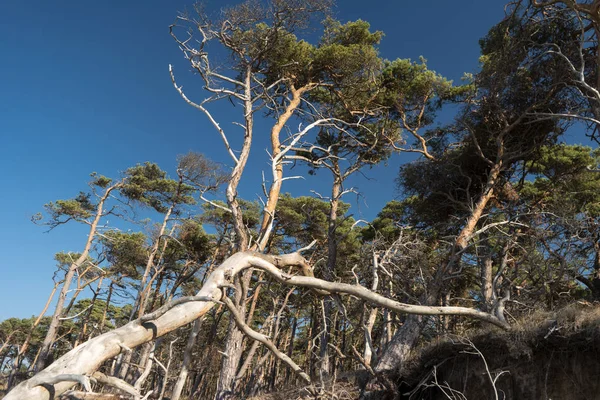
(85, 87)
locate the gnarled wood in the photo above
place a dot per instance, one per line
(85, 359)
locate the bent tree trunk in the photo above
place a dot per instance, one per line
(81, 362)
(88, 357)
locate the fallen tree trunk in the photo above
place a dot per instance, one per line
(85, 359)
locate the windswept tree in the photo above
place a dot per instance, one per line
(149, 185)
(340, 87)
(364, 292)
(88, 209)
(498, 130)
(575, 49)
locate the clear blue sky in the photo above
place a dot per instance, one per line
(85, 87)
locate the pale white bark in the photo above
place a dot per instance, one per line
(187, 359)
(368, 325)
(260, 261)
(259, 337)
(85, 359)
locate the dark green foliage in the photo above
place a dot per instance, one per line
(387, 222)
(517, 81)
(191, 244)
(538, 228)
(18, 329)
(196, 242)
(288, 58)
(261, 37)
(565, 181)
(222, 220)
(303, 218)
(410, 87)
(65, 259)
(440, 190)
(385, 103)
(84, 311)
(148, 184)
(87, 270)
(126, 252)
(79, 208)
(347, 55)
(100, 180)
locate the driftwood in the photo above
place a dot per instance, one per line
(83, 361)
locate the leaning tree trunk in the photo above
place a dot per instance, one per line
(231, 360)
(371, 316)
(89, 356)
(54, 323)
(398, 349)
(83, 361)
(21, 350)
(486, 276)
(88, 314)
(233, 346)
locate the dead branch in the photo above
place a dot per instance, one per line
(262, 262)
(86, 358)
(116, 383)
(252, 334)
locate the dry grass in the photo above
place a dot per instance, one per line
(337, 391)
(568, 338)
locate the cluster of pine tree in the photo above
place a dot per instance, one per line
(217, 296)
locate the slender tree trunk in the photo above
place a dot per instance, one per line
(290, 348)
(486, 276)
(86, 319)
(23, 348)
(595, 287)
(398, 349)
(54, 323)
(78, 291)
(157, 286)
(233, 346)
(145, 291)
(487, 194)
(247, 360)
(231, 360)
(275, 189)
(106, 308)
(146, 288)
(372, 316)
(5, 344)
(332, 247)
(308, 352)
(233, 343)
